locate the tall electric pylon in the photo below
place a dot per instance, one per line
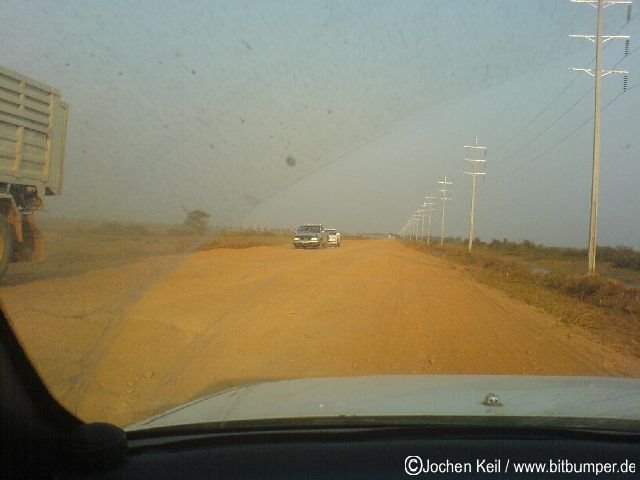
(599, 38)
(474, 173)
(444, 200)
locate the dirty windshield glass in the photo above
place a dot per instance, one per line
(309, 229)
(156, 157)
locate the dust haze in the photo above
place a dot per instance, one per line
(251, 111)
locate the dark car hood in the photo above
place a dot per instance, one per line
(414, 396)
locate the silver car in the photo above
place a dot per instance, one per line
(310, 235)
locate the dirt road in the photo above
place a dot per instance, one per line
(121, 344)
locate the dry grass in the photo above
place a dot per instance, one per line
(607, 308)
(247, 239)
(118, 229)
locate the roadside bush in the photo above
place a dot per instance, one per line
(197, 220)
(621, 257)
(571, 253)
(583, 286)
(602, 292)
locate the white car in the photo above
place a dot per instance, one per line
(333, 237)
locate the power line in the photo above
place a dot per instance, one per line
(562, 140)
(552, 102)
(534, 73)
(545, 152)
(556, 121)
(540, 113)
(548, 127)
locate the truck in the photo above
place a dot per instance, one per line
(33, 131)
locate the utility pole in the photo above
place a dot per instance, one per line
(422, 209)
(599, 38)
(407, 228)
(422, 212)
(413, 220)
(429, 209)
(474, 173)
(444, 199)
(416, 224)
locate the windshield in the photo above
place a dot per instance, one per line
(310, 229)
(155, 159)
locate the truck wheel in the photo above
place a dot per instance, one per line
(6, 246)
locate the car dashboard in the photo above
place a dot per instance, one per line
(369, 452)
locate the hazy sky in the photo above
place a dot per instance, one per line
(270, 113)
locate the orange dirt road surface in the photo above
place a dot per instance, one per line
(121, 344)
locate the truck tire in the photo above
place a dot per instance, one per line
(6, 246)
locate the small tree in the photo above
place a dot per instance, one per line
(197, 220)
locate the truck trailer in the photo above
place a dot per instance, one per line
(33, 131)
